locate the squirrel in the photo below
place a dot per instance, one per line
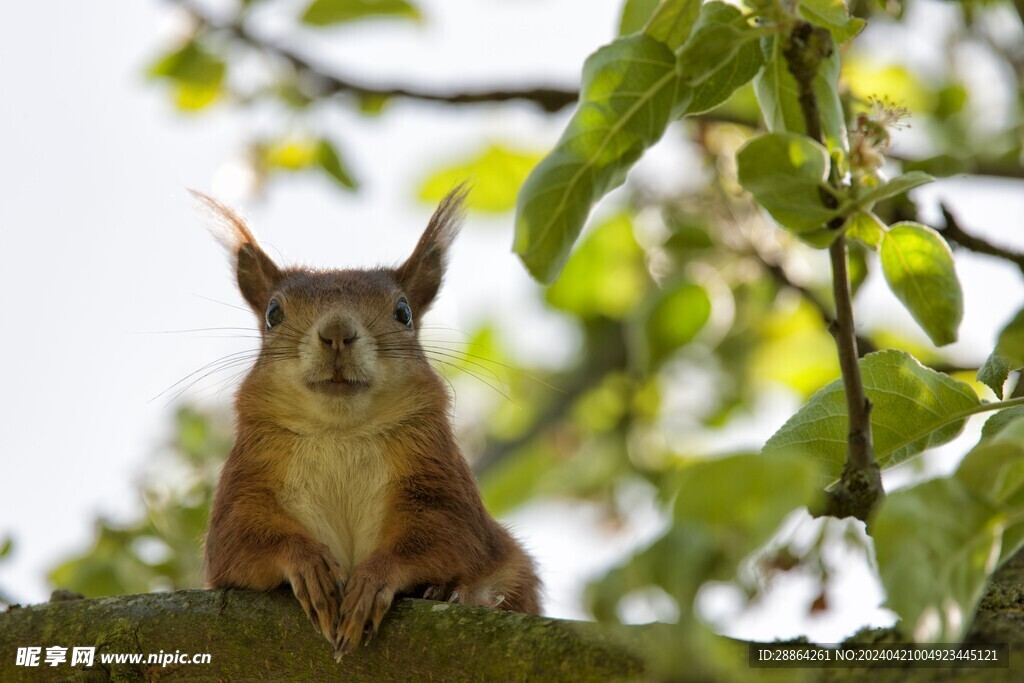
(345, 480)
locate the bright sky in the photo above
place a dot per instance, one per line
(105, 250)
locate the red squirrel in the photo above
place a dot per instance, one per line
(345, 480)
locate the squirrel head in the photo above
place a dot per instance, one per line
(340, 347)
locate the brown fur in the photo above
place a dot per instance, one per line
(357, 497)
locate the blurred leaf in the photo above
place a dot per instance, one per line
(1000, 421)
(291, 154)
(785, 172)
(196, 74)
(606, 277)
(304, 153)
(373, 104)
(1011, 341)
(794, 348)
(866, 228)
(742, 499)
(914, 408)
(833, 15)
(918, 266)
(994, 469)
(517, 479)
(951, 100)
(6, 547)
(777, 93)
(635, 14)
(670, 319)
(868, 79)
(936, 545)
(994, 373)
(857, 267)
(496, 174)
(176, 515)
(688, 235)
(330, 12)
(628, 91)
(942, 165)
(329, 160)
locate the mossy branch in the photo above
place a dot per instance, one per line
(254, 635)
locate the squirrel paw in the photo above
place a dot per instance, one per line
(367, 600)
(318, 584)
(437, 592)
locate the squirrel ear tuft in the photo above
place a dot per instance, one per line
(422, 273)
(257, 273)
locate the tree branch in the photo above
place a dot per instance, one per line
(860, 486)
(547, 98)
(602, 358)
(954, 233)
(253, 635)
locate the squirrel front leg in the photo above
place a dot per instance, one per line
(435, 533)
(254, 543)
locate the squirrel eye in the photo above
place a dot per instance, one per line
(274, 315)
(403, 313)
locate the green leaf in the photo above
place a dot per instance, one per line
(856, 266)
(786, 172)
(328, 159)
(329, 12)
(915, 408)
(672, 23)
(833, 15)
(721, 56)
(898, 185)
(866, 228)
(496, 173)
(998, 422)
(726, 508)
(777, 93)
(1011, 341)
(303, 153)
(994, 469)
(6, 547)
(919, 268)
(994, 373)
(669, 320)
(290, 153)
(607, 277)
(629, 88)
(742, 499)
(635, 14)
(936, 545)
(196, 74)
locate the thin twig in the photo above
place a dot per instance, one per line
(606, 357)
(547, 98)
(954, 233)
(860, 486)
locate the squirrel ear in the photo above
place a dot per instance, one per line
(257, 274)
(422, 273)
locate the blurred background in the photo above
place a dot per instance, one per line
(685, 326)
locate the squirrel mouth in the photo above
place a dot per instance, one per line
(339, 385)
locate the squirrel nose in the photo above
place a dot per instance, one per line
(337, 333)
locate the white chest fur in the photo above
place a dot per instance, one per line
(336, 488)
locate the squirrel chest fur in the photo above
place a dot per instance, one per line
(345, 481)
(337, 488)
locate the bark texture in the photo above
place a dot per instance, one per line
(254, 635)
